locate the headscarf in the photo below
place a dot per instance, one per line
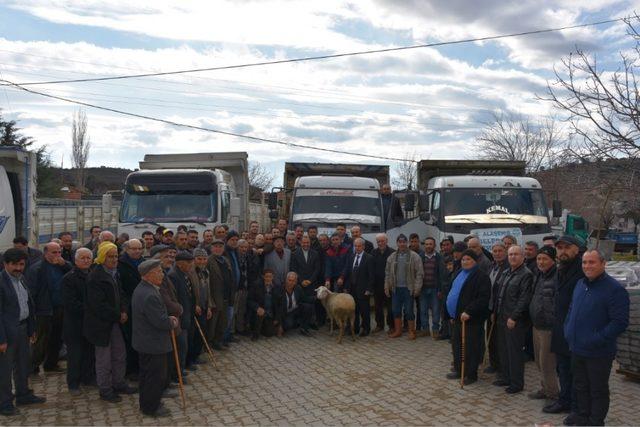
(103, 249)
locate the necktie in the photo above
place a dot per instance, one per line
(357, 263)
(290, 302)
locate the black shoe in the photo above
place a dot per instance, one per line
(500, 383)
(232, 339)
(225, 344)
(111, 397)
(199, 362)
(9, 411)
(133, 377)
(443, 337)
(126, 390)
(255, 337)
(168, 394)
(556, 408)
(54, 370)
(216, 346)
(314, 327)
(192, 368)
(468, 380)
(30, 399)
(162, 411)
(512, 390)
(364, 333)
(575, 420)
(490, 370)
(453, 376)
(305, 332)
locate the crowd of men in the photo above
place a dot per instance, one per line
(116, 303)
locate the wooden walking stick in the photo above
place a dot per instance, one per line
(175, 355)
(487, 341)
(463, 345)
(206, 344)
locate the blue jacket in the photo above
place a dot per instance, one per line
(599, 312)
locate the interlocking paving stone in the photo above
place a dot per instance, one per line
(297, 380)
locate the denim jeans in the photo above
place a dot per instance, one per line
(400, 299)
(429, 301)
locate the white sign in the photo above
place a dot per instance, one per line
(489, 236)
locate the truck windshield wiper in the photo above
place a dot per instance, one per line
(142, 221)
(191, 220)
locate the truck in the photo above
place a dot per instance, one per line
(490, 199)
(17, 196)
(327, 194)
(199, 190)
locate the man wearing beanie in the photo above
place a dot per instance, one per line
(542, 310)
(151, 336)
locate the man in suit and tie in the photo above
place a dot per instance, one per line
(305, 262)
(358, 277)
(356, 233)
(17, 329)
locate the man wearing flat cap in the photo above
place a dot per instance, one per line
(221, 289)
(179, 275)
(151, 336)
(569, 256)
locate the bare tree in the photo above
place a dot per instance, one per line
(515, 137)
(405, 175)
(81, 145)
(260, 179)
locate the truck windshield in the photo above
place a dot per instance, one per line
(168, 206)
(336, 202)
(507, 201)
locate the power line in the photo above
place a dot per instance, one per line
(188, 126)
(330, 56)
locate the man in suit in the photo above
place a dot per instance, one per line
(358, 277)
(305, 262)
(152, 326)
(17, 329)
(295, 309)
(356, 233)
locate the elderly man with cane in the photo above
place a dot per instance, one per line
(151, 337)
(467, 308)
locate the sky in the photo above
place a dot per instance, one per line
(427, 103)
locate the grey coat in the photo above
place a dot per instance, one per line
(280, 266)
(151, 324)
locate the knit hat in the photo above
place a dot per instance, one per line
(549, 251)
(459, 247)
(401, 237)
(232, 233)
(103, 249)
(148, 265)
(217, 242)
(156, 249)
(572, 240)
(200, 252)
(471, 254)
(184, 256)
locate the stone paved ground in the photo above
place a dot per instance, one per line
(298, 380)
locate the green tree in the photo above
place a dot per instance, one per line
(10, 135)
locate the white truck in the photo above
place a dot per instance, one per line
(199, 190)
(17, 196)
(327, 194)
(490, 199)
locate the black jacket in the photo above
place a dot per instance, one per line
(104, 305)
(441, 271)
(379, 265)
(256, 298)
(542, 307)
(39, 283)
(10, 311)
(74, 297)
(306, 270)
(568, 275)
(474, 297)
(184, 292)
(515, 294)
(249, 269)
(284, 300)
(360, 281)
(129, 276)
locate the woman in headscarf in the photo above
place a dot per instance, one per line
(468, 302)
(106, 309)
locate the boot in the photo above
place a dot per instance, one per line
(412, 329)
(397, 328)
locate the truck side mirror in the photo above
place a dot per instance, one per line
(273, 201)
(425, 216)
(409, 202)
(556, 208)
(423, 202)
(234, 207)
(273, 214)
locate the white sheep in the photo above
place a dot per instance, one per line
(339, 307)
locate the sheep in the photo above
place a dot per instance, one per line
(339, 307)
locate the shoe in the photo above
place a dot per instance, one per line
(216, 346)
(255, 337)
(500, 383)
(305, 332)
(537, 395)
(443, 337)
(29, 399)
(225, 344)
(162, 411)
(75, 392)
(126, 390)
(575, 420)
(512, 390)
(232, 339)
(54, 370)
(192, 368)
(490, 370)
(453, 376)
(378, 329)
(397, 328)
(111, 397)
(435, 335)
(556, 408)
(422, 333)
(199, 362)
(314, 326)
(468, 381)
(133, 377)
(9, 411)
(168, 394)
(412, 329)
(364, 333)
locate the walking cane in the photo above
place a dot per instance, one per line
(464, 339)
(175, 355)
(487, 341)
(206, 344)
